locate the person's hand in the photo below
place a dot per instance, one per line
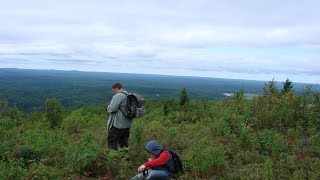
(108, 106)
(141, 168)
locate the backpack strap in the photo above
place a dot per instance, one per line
(166, 166)
(126, 102)
(125, 93)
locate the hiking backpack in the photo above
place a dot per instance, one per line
(134, 106)
(176, 161)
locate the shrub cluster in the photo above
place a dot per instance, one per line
(272, 136)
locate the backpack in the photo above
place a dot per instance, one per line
(134, 106)
(176, 161)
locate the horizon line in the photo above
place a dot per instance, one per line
(168, 75)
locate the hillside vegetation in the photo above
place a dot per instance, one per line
(273, 136)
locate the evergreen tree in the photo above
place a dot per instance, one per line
(4, 107)
(239, 101)
(287, 86)
(165, 109)
(270, 87)
(184, 99)
(54, 112)
(15, 115)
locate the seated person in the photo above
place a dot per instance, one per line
(159, 166)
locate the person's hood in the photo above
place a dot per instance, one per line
(154, 148)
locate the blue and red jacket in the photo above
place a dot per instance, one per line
(162, 160)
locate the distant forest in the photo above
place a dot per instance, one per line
(28, 89)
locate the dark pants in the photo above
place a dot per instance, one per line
(118, 137)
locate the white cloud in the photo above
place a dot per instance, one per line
(243, 39)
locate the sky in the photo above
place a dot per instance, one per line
(247, 39)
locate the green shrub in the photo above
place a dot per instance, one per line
(5, 150)
(119, 164)
(75, 122)
(315, 140)
(7, 123)
(298, 174)
(43, 172)
(268, 137)
(204, 160)
(268, 170)
(137, 132)
(247, 171)
(29, 155)
(80, 156)
(270, 142)
(222, 127)
(13, 169)
(171, 135)
(50, 145)
(54, 112)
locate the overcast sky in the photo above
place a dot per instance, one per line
(247, 39)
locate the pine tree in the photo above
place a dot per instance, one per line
(15, 115)
(4, 107)
(270, 87)
(54, 112)
(184, 99)
(165, 109)
(287, 86)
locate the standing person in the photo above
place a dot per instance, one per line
(118, 125)
(159, 166)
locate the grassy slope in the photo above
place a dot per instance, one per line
(265, 138)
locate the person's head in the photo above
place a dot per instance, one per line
(153, 148)
(117, 87)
